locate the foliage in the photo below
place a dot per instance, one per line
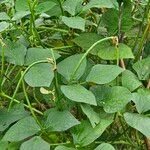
(75, 74)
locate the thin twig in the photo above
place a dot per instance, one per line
(120, 38)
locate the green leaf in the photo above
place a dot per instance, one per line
(11, 116)
(116, 99)
(3, 26)
(74, 22)
(59, 120)
(111, 24)
(142, 68)
(21, 5)
(88, 68)
(40, 75)
(22, 129)
(64, 148)
(84, 134)
(146, 51)
(55, 11)
(109, 52)
(14, 52)
(105, 146)
(4, 16)
(91, 114)
(142, 100)
(100, 4)
(20, 14)
(35, 143)
(44, 7)
(71, 6)
(37, 54)
(78, 93)
(130, 80)
(66, 70)
(126, 19)
(139, 122)
(102, 74)
(100, 92)
(3, 145)
(14, 145)
(86, 40)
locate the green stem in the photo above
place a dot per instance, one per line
(55, 144)
(3, 61)
(147, 7)
(115, 142)
(85, 54)
(57, 91)
(117, 55)
(8, 74)
(55, 29)
(142, 42)
(127, 136)
(17, 101)
(141, 25)
(57, 88)
(21, 78)
(62, 47)
(29, 104)
(32, 18)
(137, 137)
(32, 21)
